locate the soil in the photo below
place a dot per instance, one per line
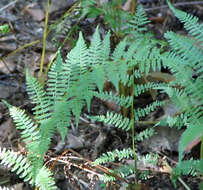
(89, 140)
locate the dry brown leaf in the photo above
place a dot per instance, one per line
(36, 13)
(160, 76)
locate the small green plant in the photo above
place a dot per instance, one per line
(111, 12)
(4, 29)
(185, 60)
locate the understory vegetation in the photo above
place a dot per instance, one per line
(72, 83)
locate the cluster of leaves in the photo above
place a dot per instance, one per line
(111, 12)
(4, 28)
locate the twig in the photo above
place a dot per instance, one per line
(183, 183)
(89, 123)
(175, 5)
(8, 5)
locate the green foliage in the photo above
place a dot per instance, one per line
(72, 84)
(119, 100)
(150, 158)
(114, 119)
(187, 167)
(23, 168)
(111, 12)
(142, 112)
(186, 55)
(69, 86)
(148, 49)
(141, 21)
(116, 155)
(20, 165)
(112, 156)
(4, 29)
(146, 134)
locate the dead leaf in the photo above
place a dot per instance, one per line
(166, 138)
(160, 76)
(127, 5)
(35, 12)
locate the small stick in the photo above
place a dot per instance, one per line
(8, 5)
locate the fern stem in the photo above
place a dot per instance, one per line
(44, 40)
(201, 148)
(133, 129)
(119, 18)
(133, 6)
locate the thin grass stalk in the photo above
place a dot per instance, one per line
(44, 41)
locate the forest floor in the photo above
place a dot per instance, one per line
(89, 140)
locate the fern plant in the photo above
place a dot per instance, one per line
(111, 13)
(186, 91)
(70, 85)
(73, 83)
(148, 54)
(133, 58)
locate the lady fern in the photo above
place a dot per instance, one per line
(186, 55)
(69, 86)
(73, 83)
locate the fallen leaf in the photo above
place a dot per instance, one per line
(35, 12)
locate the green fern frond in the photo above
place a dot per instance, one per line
(112, 156)
(146, 134)
(187, 167)
(38, 97)
(47, 129)
(115, 78)
(44, 180)
(139, 21)
(61, 117)
(190, 23)
(186, 48)
(99, 77)
(148, 55)
(106, 49)
(117, 120)
(150, 158)
(18, 163)
(80, 93)
(77, 61)
(56, 84)
(141, 88)
(95, 49)
(142, 112)
(125, 170)
(86, 87)
(106, 178)
(29, 132)
(119, 100)
(23, 168)
(119, 51)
